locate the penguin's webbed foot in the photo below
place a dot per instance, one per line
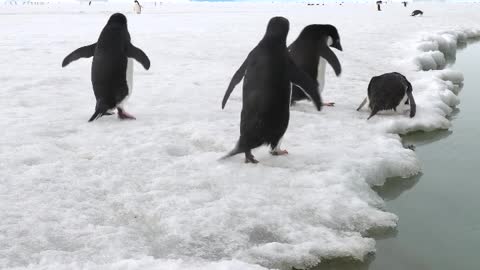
(410, 146)
(249, 158)
(329, 104)
(279, 152)
(124, 115)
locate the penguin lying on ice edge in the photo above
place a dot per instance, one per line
(388, 92)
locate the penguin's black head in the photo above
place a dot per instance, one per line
(320, 32)
(118, 18)
(278, 27)
(333, 33)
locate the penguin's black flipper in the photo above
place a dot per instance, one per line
(329, 55)
(139, 56)
(237, 77)
(304, 83)
(83, 52)
(411, 100)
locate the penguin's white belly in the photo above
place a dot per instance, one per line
(322, 63)
(401, 108)
(130, 75)
(129, 82)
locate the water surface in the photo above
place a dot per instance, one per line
(439, 210)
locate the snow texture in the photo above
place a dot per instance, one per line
(152, 193)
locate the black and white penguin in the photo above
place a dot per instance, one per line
(405, 3)
(109, 66)
(268, 73)
(311, 52)
(417, 12)
(388, 92)
(137, 8)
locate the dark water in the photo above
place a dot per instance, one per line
(439, 227)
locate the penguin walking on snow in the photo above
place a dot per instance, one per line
(268, 73)
(388, 92)
(109, 66)
(417, 12)
(311, 51)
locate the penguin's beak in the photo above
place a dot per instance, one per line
(337, 45)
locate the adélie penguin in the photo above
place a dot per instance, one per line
(417, 12)
(268, 72)
(109, 66)
(389, 92)
(311, 51)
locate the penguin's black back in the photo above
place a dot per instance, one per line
(110, 60)
(266, 93)
(417, 12)
(304, 52)
(385, 92)
(305, 49)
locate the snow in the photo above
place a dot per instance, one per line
(152, 193)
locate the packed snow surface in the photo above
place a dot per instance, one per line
(152, 193)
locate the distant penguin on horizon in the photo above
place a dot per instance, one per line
(109, 66)
(417, 12)
(137, 8)
(268, 72)
(390, 91)
(311, 52)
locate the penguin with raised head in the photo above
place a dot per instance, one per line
(311, 52)
(109, 66)
(388, 92)
(417, 12)
(268, 72)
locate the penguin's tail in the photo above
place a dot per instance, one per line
(374, 111)
(100, 110)
(362, 104)
(235, 151)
